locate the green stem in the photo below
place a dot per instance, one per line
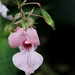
(10, 25)
(32, 3)
(15, 1)
(24, 1)
(36, 15)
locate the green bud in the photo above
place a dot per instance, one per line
(17, 16)
(30, 21)
(24, 24)
(10, 32)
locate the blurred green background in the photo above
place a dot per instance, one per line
(57, 46)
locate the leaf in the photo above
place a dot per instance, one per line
(48, 18)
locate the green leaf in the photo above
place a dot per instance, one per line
(48, 18)
(24, 24)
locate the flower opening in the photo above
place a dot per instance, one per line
(27, 46)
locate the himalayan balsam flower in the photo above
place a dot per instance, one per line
(27, 41)
(4, 10)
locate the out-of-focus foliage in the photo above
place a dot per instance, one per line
(6, 53)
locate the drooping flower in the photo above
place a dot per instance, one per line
(4, 10)
(27, 41)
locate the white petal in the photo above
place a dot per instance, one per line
(28, 61)
(34, 60)
(3, 10)
(20, 61)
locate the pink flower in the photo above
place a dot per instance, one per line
(27, 41)
(23, 37)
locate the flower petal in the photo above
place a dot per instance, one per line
(20, 61)
(34, 60)
(26, 61)
(32, 36)
(10, 17)
(3, 10)
(24, 49)
(16, 38)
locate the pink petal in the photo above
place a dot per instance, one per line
(27, 62)
(22, 36)
(32, 36)
(16, 38)
(34, 60)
